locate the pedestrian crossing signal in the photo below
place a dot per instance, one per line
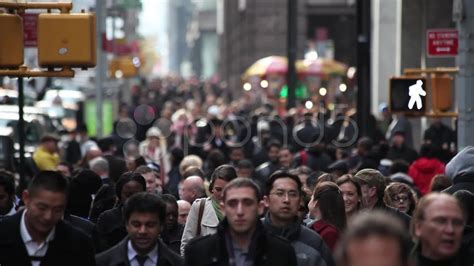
(66, 40)
(11, 41)
(408, 95)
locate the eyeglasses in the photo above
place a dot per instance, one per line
(400, 198)
(282, 193)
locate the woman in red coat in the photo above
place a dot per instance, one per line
(328, 205)
(425, 168)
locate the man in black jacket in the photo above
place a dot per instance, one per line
(240, 239)
(37, 235)
(144, 215)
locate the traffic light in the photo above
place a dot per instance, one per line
(11, 42)
(66, 40)
(407, 95)
(441, 90)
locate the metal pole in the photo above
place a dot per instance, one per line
(101, 68)
(21, 134)
(464, 15)
(363, 66)
(291, 52)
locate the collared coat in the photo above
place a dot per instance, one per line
(69, 247)
(209, 222)
(118, 255)
(268, 249)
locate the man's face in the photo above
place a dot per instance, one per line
(129, 189)
(398, 140)
(183, 211)
(236, 155)
(6, 201)
(285, 158)
(150, 182)
(51, 146)
(244, 172)
(367, 193)
(374, 251)
(171, 215)
(283, 200)
(273, 154)
(143, 230)
(44, 210)
(441, 229)
(242, 208)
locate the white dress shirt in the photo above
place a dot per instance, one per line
(33, 248)
(152, 256)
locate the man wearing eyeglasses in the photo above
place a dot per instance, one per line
(437, 226)
(283, 196)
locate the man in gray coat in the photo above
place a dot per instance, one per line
(283, 196)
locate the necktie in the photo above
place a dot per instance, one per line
(141, 259)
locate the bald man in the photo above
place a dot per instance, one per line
(183, 211)
(192, 189)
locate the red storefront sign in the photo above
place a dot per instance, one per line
(442, 42)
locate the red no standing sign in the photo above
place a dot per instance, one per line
(30, 22)
(442, 42)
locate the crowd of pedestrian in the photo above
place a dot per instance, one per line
(209, 181)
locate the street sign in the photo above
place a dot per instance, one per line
(30, 21)
(442, 42)
(408, 95)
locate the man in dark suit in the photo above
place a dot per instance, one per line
(144, 214)
(38, 235)
(240, 238)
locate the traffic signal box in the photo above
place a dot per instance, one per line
(11, 43)
(437, 100)
(441, 89)
(122, 67)
(66, 40)
(404, 101)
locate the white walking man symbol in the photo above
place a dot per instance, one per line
(415, 92)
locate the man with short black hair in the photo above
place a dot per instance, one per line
(7, 194)
(37, 235)
(241, 239)
(172, 232)
(267, 168)
(283, 197)
(144, 215)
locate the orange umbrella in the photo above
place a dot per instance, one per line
(269, 65)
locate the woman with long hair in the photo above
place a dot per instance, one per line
(328, 206)
(351, 193)
(206, 214)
